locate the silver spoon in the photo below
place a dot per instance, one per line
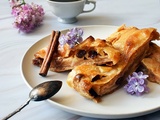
(41, 92)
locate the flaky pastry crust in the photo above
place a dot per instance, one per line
(95, 81)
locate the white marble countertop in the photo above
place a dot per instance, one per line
(13, 45)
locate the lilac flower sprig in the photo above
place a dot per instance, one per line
(27, 16)
(137, 84)
(72, 37)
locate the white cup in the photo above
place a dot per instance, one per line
(67, 10)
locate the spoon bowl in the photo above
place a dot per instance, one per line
(45, 90)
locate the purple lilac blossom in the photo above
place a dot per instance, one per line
(14, 3)
(72, 37)
(137, 84)
(27, 16)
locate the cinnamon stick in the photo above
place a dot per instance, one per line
(53, 46)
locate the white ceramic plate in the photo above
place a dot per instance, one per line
(116, 105)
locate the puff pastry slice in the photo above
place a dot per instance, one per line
(90, 51)
(94, 81)
(151, 64)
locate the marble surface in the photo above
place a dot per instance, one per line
(13, 45)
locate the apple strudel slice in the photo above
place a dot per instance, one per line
(90, 51)
(151, 64)
(94, 81)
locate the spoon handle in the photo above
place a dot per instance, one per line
(17, 110)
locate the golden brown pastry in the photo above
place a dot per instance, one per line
(98, 66)
(93, 81)
(151, 64)
(90, 51)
